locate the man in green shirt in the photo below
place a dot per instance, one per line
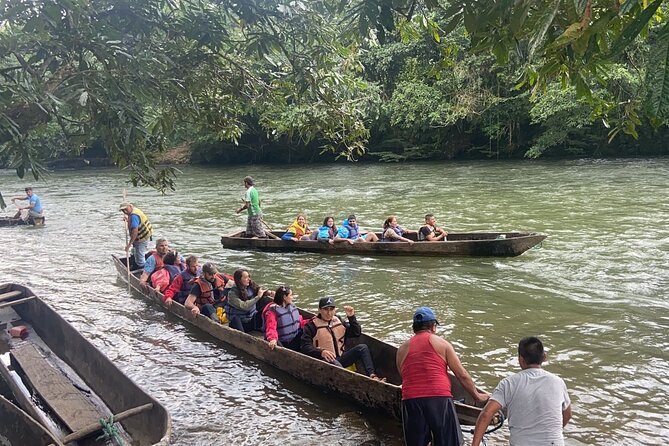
(252, 203)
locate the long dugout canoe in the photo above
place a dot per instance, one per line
(384, 396)
(11, 221)
(17, 428)
(56, 362)
(459, 244)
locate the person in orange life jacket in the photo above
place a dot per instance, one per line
(244, 301)
(392, 232)
(162, 278)
(324, 337)
(207, 290)
(352, 232)
(154, 261)
(283, 321)
(180, 287)
(429, 232)
(428, 413)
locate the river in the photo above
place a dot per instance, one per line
(595, 291)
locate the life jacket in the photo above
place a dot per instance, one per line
(159, 260)
(326, 232)
(423, 237)
(353, 231)
(287, 321)
(296, 229)
(145, 230)
(234, 311)
(188, 280)
(329, 335)
(398, 230)
(207, 290)
(161, 279)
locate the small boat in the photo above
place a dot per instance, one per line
(370, 393)
(20, 429)
(470, 244)
(11, 221)
(79, 391)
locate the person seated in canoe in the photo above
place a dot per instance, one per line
(180, 287)
(392, 232)
(429, 232)
(243, 299)
(298, 230)
(34, 206)
(325, 334)
(350, 230)
(283, 321)
(207, 290)
(163, 277)
(154, 260)
(328, 232)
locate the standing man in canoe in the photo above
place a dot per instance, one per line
(139, 230)
(537, 401)
(34, 204)
(252, 203)
(428, 412)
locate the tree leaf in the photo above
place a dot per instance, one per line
(634, 28)
(543, 24)
(657, 77)
(580, 5)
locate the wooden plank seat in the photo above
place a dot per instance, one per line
(57, 391)
(10, 295)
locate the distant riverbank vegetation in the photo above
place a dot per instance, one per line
(136, 83)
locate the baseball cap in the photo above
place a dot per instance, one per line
(424, 314)
(326, 302)
(124, 205)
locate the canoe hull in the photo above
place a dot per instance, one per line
(9, 221)
(470, 244)
(111, 385)
(353, 386)
(20, 429)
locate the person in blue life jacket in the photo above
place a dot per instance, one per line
(392, 232)
(180, 287)
(245, 300)
(429, 232)
(283, 321)
(34, 204)
(328, 232)
(351, 231)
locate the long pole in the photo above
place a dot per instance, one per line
(127, 250)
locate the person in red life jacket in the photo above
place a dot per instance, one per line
(245, 301)
(180, 287)
(392, 232)
(428, 413)
(324, 337)
(207, 290)
(283, 321)
(163, 277)
(154, 261)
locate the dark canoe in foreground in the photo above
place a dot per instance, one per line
(71, 379)
(17, 428)
(385, 396)
(471, 244)
(10, 221)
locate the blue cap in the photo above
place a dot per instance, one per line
(424, 314)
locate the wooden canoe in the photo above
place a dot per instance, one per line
(11, 221)
(470, 244)
(72, 380)
(384, 396)
(20, 429)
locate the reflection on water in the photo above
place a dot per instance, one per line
(596, 291)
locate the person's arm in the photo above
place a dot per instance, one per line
(289, 236)
(149, 268)
(566, 415)
(484, 419)
(401, 355)
(245, 305)
(460, 372)
(190, 304)
(270, 327)
(173, 289)
(20, 198)
(353, 328)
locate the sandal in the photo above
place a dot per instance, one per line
(376, 377)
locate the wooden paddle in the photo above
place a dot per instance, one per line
(270, 233)
(127, 251)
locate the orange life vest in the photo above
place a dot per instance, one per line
(330, 335)
(158, 258)
(207, 290)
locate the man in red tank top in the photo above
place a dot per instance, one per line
(428, 413)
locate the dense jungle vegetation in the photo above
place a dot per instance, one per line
(302, 81)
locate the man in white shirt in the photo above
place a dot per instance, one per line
(537, 401)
